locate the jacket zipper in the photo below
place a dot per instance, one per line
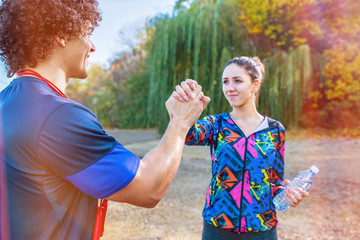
(243, 174)
(242, 185)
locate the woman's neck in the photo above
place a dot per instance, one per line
(247, 119)
(247, 112)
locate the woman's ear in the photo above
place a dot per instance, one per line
(60, 41)
(256, 86)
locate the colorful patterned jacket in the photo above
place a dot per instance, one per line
(247, 172)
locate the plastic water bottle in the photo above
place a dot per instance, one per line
(303, 180)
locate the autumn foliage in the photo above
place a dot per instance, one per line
(331, 28)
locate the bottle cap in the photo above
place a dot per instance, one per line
(314, 169)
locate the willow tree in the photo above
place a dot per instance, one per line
(286, 85)
(196, 41)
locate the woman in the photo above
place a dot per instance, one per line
(247, 152)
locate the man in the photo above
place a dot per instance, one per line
(56, 159)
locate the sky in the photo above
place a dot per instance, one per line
(117, 15)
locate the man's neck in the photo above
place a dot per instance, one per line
(53, 73)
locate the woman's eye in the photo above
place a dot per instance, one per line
(225, 81)
(238, 81)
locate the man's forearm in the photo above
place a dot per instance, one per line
(156, 170)
(163, 161)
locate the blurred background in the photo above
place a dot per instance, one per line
(311, 49)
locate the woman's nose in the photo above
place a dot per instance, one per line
(230, 87)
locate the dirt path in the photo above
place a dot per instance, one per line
(331, 212)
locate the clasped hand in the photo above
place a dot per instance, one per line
(187, 102)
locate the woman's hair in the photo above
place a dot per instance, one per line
(254, 67)
(28, 28)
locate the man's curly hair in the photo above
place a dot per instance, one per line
(28, 27)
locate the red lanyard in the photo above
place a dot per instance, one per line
(98, 230)
(30, 72)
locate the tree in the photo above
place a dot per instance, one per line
(332, 30)
(197, 41)
(93, 92)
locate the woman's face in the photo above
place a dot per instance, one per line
(237, 86)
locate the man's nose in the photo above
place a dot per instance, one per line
(92, 48)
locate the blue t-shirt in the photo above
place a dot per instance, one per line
(58, 161)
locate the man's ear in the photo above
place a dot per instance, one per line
(60, 41)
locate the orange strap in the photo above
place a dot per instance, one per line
(100, 220)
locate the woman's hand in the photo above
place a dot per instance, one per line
(184, 91)
(294, 197)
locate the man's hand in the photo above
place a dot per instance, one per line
(188, 90)
(186, 112)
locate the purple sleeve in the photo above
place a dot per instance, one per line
(108, 175)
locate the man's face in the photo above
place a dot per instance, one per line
(77, 54)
